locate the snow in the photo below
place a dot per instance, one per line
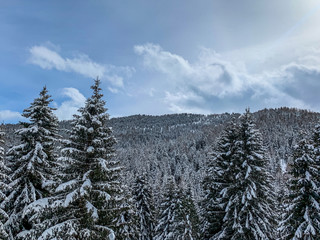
(308, 176)
(85, 186)
(105, 195)
(66, 185)
(23, 234)
(70, 197)
(112, 236)
(103, 164)
(49, 233)
(93, 210)
(86, 175)
(283, 166)
(90, 149)
(47, 183)
(36, 206)
(248, 172)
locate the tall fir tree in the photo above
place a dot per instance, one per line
(192, 230)
(247, 200)
(302, 218)
(92, 192)
(282, 202)
(316, 140)
(4, 180)
(145, 208)
(218, 177)
(125, 217)
(174, 216)
(31, 163)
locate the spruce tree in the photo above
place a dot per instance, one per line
(125, 223)
(302, 219)
(31, 163)
(192, 221)
(4, 179)
(219, 176)
(316, 140)
(91, 193)
(174, 217)
(248, 197)
(282, 202)
(145, 208)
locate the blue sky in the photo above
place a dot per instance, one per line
(158, 57)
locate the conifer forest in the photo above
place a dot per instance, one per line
(172, 177)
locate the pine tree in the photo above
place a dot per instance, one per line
(281, 204)
(218, 177)
(174, 216)
(302, 219)
(248, 200)
(191, 216)
(92, 191)
(145, 208)
(31, 163)
(4, 179)
(125, 217)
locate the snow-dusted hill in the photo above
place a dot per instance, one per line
(180, 144)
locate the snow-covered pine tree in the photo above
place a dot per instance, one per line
(316, 137)
(87, 198)
(168, 226)
(125, 223)
(31, 163)
(4, 179)
(218, 176)
(248, 210)
(191, 216)
(145, 208)
(174, 218)
(281, 203)
(302, 219)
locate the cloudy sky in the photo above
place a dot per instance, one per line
(158, 57)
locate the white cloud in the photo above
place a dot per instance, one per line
(178, 102)
(191, 87)
(215, 77)
(68, 108)
(113, 90)
(81, 64)
(156, 58)
(9, 115)
(188, 86)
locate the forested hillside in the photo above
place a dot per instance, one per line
(170, 176)
(180, 144)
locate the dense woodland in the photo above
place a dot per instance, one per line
(180, 176)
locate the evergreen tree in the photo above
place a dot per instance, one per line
(191, 217)
(281, 204)
(248, 198)
(91, 193)
(219, 176)
(125, 218)
(32, 163)
(316, 139)
(174, 217)
(145, 208)
(302, 219)
(4, 179)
